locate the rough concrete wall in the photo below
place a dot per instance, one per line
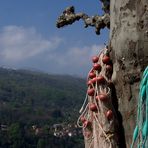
(129, 48)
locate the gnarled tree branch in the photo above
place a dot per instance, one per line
(106, 5)
(99, 22)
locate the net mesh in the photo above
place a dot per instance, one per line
(98, 118)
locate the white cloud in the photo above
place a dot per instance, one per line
(19, 43)
(75, 60)
(78, 56)
(24, 47)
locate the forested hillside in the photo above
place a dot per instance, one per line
(33, 99)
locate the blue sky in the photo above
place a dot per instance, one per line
(29, 38)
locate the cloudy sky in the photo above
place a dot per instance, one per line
(30, 40)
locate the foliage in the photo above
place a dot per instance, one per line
(32, 98)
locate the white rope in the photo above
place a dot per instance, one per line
(90, 115)
(104, 132)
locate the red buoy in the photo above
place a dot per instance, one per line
(109, 114)
(97, 66)
(94, 80)
(93, 107)
(89, 83)
(100, 79)
(102, 97)
(91, 92)
(106, 59)
(86, 123)
(82, 119)
(95, 59)
(92, 75)
(109, 68)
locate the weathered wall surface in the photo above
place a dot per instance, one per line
(129, 50)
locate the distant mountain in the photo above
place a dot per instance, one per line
(34, 97)
(33, 103)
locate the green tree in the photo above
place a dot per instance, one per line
(41, 143)
(16, 136)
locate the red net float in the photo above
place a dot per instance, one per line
(91, 92)
(102, 97)
(82, 119)
(109, 114)
(94, 80)
(92, 75)
(109, 68)
(100, 79)
(97, 67)
(92, 107)
(95, 59)
(89, 83)
(86, 123)
(106, 59)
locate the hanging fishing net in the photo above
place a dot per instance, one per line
(98, 118)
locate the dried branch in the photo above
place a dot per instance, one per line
(106, 5)
(69, 16)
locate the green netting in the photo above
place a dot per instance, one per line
(140, 134)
